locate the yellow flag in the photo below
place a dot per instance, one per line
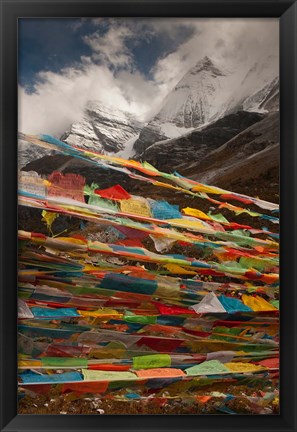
(196, 213)
(29, 363)
(48, 218)
(257, 303)
(208, 189)
(101, 313)
(243, 367)
(174, 268)
(136, 206)
(193, 224)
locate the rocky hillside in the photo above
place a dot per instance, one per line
(237, 158)
(179, 153)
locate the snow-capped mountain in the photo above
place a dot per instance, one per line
(205, 94)
(190, 103)
(102, 128)
(193, 102)
(202, 96)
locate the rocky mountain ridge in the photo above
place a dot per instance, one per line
(103, 128)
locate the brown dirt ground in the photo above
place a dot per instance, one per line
(70, 403)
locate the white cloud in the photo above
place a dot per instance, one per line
(59, 98)
(234, 43)
(111, 48)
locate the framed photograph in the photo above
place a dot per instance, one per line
(148, 226)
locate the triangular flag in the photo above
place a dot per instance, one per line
(210, 303)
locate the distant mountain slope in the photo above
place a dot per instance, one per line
(238, 157)
(187, 150)
(104, 129)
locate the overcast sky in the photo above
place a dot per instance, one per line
(128, 63)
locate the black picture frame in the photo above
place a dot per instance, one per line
(286, 11)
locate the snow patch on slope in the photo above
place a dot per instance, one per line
(173, 131)
(128, 152)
